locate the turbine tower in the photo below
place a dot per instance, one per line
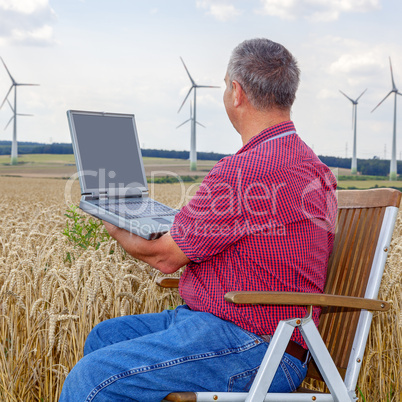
(193, 151)
(394, 90)
(354, 118)
(191, 118)
(14, 145)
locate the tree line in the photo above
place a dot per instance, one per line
(36, 148)
(366, 167)
(369, 167)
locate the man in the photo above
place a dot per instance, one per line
(263, 219)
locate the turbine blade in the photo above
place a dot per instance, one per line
(12, 117)
(189, 76)
(206, 86)
(8, 93)
(10, 105)
(392, 74)
(188, 93)
(389, 93)
(24, 114)
(182, 124)
(11, 77)
(200, 124)
(361, 95)
(26, 85)
(346, 96)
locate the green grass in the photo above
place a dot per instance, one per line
(40, 159)
(366, 184)
(82, 231)
(173, 179)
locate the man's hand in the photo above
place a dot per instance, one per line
(163, 253)
(112, 229)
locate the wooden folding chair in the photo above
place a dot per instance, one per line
(365, 223)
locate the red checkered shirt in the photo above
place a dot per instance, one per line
(262, 220)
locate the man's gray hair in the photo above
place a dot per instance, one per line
(267, 72)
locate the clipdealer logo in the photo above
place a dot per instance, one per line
(328, 222)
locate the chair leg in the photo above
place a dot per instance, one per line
(325, 363)
(270, 363)
(273, 356)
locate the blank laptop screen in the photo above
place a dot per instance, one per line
(108, 149)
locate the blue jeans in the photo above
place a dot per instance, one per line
(145, 357)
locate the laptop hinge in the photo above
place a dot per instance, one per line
(113, 193)
(95, 195)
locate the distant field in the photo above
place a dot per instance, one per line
(63, 166)
(341, 171)
(39, 165)
(39, 159)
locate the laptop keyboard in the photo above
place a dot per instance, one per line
(136, 208)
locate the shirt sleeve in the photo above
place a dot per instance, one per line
(211, 221)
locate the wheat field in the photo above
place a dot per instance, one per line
(49, 303)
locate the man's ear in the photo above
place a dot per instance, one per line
(238, 94)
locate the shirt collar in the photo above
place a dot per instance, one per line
(266, 134)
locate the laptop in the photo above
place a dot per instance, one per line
(112, 176)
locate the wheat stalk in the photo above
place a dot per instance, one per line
(48, 305)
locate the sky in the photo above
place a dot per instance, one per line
(124, 56)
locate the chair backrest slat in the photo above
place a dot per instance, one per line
(359, 222)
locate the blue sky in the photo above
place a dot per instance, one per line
(124, 56)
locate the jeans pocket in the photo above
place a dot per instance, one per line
(288, 377)
(242, 382)
(292, 372)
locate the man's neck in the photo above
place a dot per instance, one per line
(258, 121)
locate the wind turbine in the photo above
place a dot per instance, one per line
(14, 145)
(191, 118)
(354, 118)
(193, 151)
(394, 90)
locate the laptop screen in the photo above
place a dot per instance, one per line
(108, 151)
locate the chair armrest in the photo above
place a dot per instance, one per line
(181, 397)
(168, 282)
(306, 299)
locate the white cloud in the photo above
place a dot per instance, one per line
(23, 6)
(316, 10)
(343, 58)
(26, 22)
(364, 63)
(39, 36)
(220, 9)
(326, 93)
